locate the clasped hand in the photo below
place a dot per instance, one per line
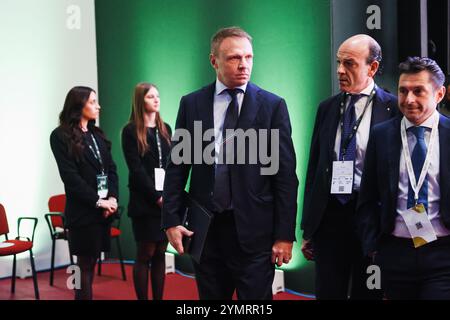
(109, 206)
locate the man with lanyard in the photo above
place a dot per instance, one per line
(404, 208)
(338, 146)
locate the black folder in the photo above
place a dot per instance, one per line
(198, 219)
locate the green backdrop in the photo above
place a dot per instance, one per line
(166, 42)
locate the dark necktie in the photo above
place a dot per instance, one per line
(347, 128)
(418, 159)
(222, 184)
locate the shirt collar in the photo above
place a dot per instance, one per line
(220, 87)
(368, 90)
(427, 123)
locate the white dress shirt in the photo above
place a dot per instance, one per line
(362, 135)
(434, 194)
(221, 101)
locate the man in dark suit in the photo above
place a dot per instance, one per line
(254, 213)
(444, 106)
(404, 208)
(341, 131)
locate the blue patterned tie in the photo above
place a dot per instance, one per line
(418, 158)
(222, 184)
(349, 122)
(350, 155)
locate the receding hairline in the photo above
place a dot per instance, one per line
(362, 42)
(361, 38)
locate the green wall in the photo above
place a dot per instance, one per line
(167, 42)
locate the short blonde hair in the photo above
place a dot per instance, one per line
(223, 33)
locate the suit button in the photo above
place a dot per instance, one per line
(326, 170)
(211, 194)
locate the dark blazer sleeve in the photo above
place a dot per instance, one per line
(314, 154)
(144, 184)
(169, 129)
(285, 181)
(113, 178)
(368, 207)
(176, 178)
(69, 172)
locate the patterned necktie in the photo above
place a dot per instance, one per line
(349, 122)
(418, 159)
(222, 184)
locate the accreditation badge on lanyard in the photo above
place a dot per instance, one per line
(342, 179)
(416, 218)
(102, 179)
(102, 185)
(159, 172)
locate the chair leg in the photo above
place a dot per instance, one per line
(99, 270)
(71, 258)
(52, 264)
(13, 279)
(33, 270)
(70, 251)
(122, 265)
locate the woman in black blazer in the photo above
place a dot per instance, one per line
(146, 146)
(83, 156)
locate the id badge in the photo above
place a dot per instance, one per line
(342, 178)
(102, 186)
(159, 179)
(419, 225)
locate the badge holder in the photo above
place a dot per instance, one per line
(102, 186)
(419, 225)
(416, 218)
(159, 179)
(342, 178)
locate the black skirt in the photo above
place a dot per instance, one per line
(90, 240)
(148, 229)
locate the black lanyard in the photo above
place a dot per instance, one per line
(346, 142)
(158, 142)
(96, 152)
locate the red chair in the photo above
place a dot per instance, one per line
(14, 247)
(57, 204)
(55, 222)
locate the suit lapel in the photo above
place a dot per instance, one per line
(250, 107)
(444, 156)
(394, 148)
(153, 146)
(381, 108)
(89, 156)
(205, 113)
(334, 118)
(205, 107)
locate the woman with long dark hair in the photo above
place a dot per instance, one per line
(146, 145)
(83, 156)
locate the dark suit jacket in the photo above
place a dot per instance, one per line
(141, 172)
(265, 207)
(80, 180)
(377, 205)
(321, 156)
